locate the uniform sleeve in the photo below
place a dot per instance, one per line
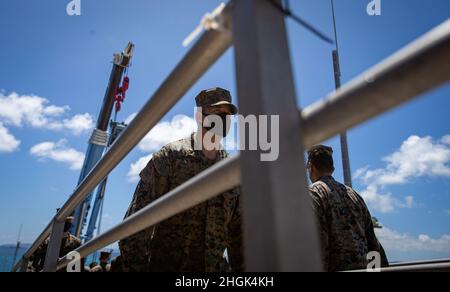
(234, 234)
(319, 208)
(154, 183)
(372, 240)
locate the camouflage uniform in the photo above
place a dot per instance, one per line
(69, 243)
(346, 226)
(193, 241)
(101, 268)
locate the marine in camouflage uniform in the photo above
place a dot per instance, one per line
(195, 240)
(104, 266)
(345, 224)
(69, 243)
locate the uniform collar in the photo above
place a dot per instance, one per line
(326, 177)
(197, 145)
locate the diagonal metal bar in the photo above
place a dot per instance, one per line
(418, 68)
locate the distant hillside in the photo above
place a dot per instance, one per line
(23, 245)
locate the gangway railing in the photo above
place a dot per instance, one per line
(422, 267)
(418, 68)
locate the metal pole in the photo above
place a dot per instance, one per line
(121, 62)
(98, 205)
(415, 263)
(438, 267)
(280, 231)
(18, 245)
(54, 246)
(337, 79)
(414, 70)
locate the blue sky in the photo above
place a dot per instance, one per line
(56, 67)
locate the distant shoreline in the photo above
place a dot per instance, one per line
(13, 245)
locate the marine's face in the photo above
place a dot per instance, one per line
(311, 172)
(217, 110)
(217, 120)
(68, 225)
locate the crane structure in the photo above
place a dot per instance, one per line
(103, 136)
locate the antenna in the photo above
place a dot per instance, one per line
(337, 79)
(17, 246)
(334, 26)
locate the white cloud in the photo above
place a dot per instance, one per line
(164, 133)
(179, 127)
(8, 143)
(446, 139)
(59, 152)
(394, 241)
(55, 111)
(79, 124)
(33, 110)
(130, 118)
(417, 157)
(384, 203)
(36, 112)
(137, 167)
(447, 212)
(409, 202)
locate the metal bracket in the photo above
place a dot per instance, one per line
(123, 59)
(211, 21)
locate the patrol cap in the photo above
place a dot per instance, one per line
(216, 97)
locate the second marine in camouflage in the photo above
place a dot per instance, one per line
(345, 224)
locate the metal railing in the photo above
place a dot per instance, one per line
(414, 70)
(442, 266)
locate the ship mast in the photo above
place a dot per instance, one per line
(18, 245)
(337, 79)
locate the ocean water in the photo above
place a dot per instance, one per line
(6, 257)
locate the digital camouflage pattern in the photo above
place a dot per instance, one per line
(101, 268)
(69, 243)
(346, 227)
(193, 241)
